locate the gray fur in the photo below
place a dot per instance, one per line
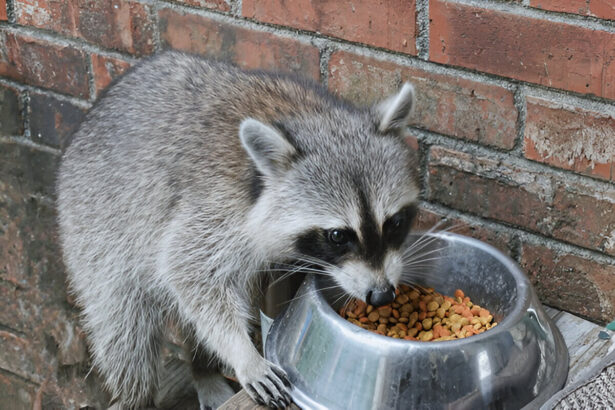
(159, 216)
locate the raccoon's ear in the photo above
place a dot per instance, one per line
(393, 114)
(268, 148)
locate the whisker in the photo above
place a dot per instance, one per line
(310, 293)
(428, 237)
(417, 251)
(420, 244)
(344, 294)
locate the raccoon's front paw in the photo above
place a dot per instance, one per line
(266, 384)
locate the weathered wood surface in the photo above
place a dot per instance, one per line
(585, 348)
(241, 401)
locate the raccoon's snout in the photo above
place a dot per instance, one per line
(380, 297)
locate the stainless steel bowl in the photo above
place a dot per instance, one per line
(334, 364)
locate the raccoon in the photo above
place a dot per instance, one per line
(189, 178)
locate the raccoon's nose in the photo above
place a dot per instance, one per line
(379, 297)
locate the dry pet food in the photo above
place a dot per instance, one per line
(422, 314)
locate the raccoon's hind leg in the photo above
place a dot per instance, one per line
(212, 388)
(125, 336)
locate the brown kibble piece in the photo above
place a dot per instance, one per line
(427, 324)
(427, 336)
(406, 308)
(373, 316)
(384, 311)
(402, 299)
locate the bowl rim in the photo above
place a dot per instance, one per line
(519, 309)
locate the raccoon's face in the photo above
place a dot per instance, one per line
(365, 257)
(344, 201)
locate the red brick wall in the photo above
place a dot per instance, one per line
(515, 126)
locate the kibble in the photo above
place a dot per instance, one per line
(419, 313)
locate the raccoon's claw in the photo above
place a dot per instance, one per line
(269, 387)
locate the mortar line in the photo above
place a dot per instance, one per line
(25, 99)
(23, 379)
(75, 42)
(11, 330)
(81, 103)
(27, 142)
(588, 22)
(91, 78)
(367, 50)
(326, 51)
(308, 37)
(156, 20)
(458, 71)
(520, 105)
(422, 24)
(525, 235)
(236, 8)
(424, 159)
(10, 11)
(569, 101)
(475, 149)
(515, 246)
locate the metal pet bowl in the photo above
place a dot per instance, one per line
(334, 364)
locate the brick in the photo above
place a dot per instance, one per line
(3, 11)
(11, 121)
(246, 48)
(428, 219)
(220, 5)
(29, 254)
(106, 69)
(572, 283)
(123, 25)
(389, 24)
(40, 340)
(16, 393)
(40, 63)
(32, 170)
(570, 137)
(539, 51)
(604, 9)
(16, 314)
(446, 104)
(53, 121)
(16, 356)
(573, 212)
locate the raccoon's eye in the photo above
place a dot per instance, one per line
(396, 221)
(338, 237)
